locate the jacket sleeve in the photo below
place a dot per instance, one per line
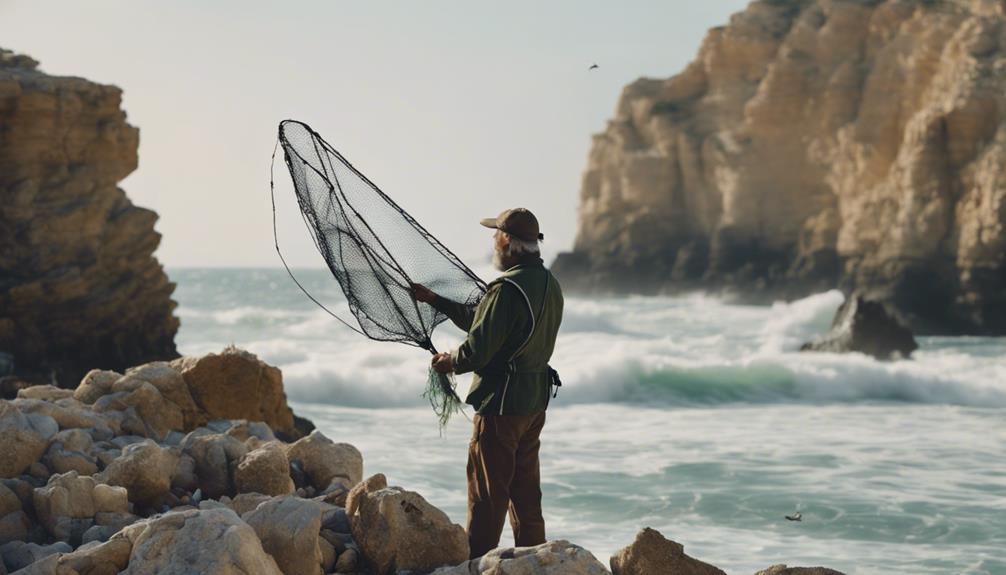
(495, 319)
(460, 314)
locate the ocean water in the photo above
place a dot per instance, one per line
(691, 415)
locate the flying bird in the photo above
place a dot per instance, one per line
(593, 67)
(795, 517)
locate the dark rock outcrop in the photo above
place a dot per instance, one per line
(812, 145)
(868, 327)
(79, 286)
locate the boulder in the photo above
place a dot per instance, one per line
(96, 383)
(784, 570)
(347, 562)
(65, 506)
(67, 412)
(245, 502)
(328, 555)
(216, 458)
(145, 411)
(265, 470)
(208, 542)
(95, 559)
(170, 384)
(18, 554)
(323, 460)
(144, 469)
(44, 392)
(20, 443)
(69, 450)
(235, 384)
(14, 526)
(289, 530)
(551, 558)
(399, 530)
(652, 554)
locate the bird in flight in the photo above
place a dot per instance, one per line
(795, 517)
(593, 67)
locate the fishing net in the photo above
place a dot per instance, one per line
(375, 250)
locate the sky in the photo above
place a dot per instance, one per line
(455, 109)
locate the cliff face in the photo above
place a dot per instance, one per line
(79, 286)
(814, 144)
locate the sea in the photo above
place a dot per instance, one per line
(693, 415)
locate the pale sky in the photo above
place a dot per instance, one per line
(456, 109)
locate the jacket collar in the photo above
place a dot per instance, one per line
(527, 261)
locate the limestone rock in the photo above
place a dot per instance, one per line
(14, 526)
(209, 542)
(69, 450)
(399, 530)
(216, 458)
(18, 554)
(95, 384)
(245, 502)
(20, 443)
(99, 559)
(551, 558)
(328, 555)
(144, 469)
(145, 411)
(235, 384)
(289, 530)
(265, 470)
(81, 286)
(324, 460)
(348, 561)
(652, 554)
(783, 570)
(68, 413)
(44, 392)
(64, 498)
(813, 145)
(170, 383)
(867, 327)
(9, 501)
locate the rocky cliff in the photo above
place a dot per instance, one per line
(79, 286)
(813, 144)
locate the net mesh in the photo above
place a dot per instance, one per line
(375, 250)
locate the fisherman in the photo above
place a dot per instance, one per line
(511, 335)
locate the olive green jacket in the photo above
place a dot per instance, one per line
(497, 329)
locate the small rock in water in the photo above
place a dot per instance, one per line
(866, 326)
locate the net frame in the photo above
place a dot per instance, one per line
(382, 261)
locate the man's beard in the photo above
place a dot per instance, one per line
(498, 260)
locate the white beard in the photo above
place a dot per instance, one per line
(498, 260)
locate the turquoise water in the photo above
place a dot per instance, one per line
(690, 415)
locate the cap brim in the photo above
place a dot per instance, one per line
(489, 223)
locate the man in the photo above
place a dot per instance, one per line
(511, 334)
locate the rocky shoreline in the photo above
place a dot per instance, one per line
(199, 466)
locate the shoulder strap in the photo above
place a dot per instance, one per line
(527, 301)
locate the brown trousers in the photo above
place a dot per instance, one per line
(503, 477)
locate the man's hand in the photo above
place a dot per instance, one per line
(443, 363)
(423, 293)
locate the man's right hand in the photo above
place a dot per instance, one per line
(423, 293)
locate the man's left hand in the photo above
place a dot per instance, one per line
(443, 363)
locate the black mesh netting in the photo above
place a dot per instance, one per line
(375, 250)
